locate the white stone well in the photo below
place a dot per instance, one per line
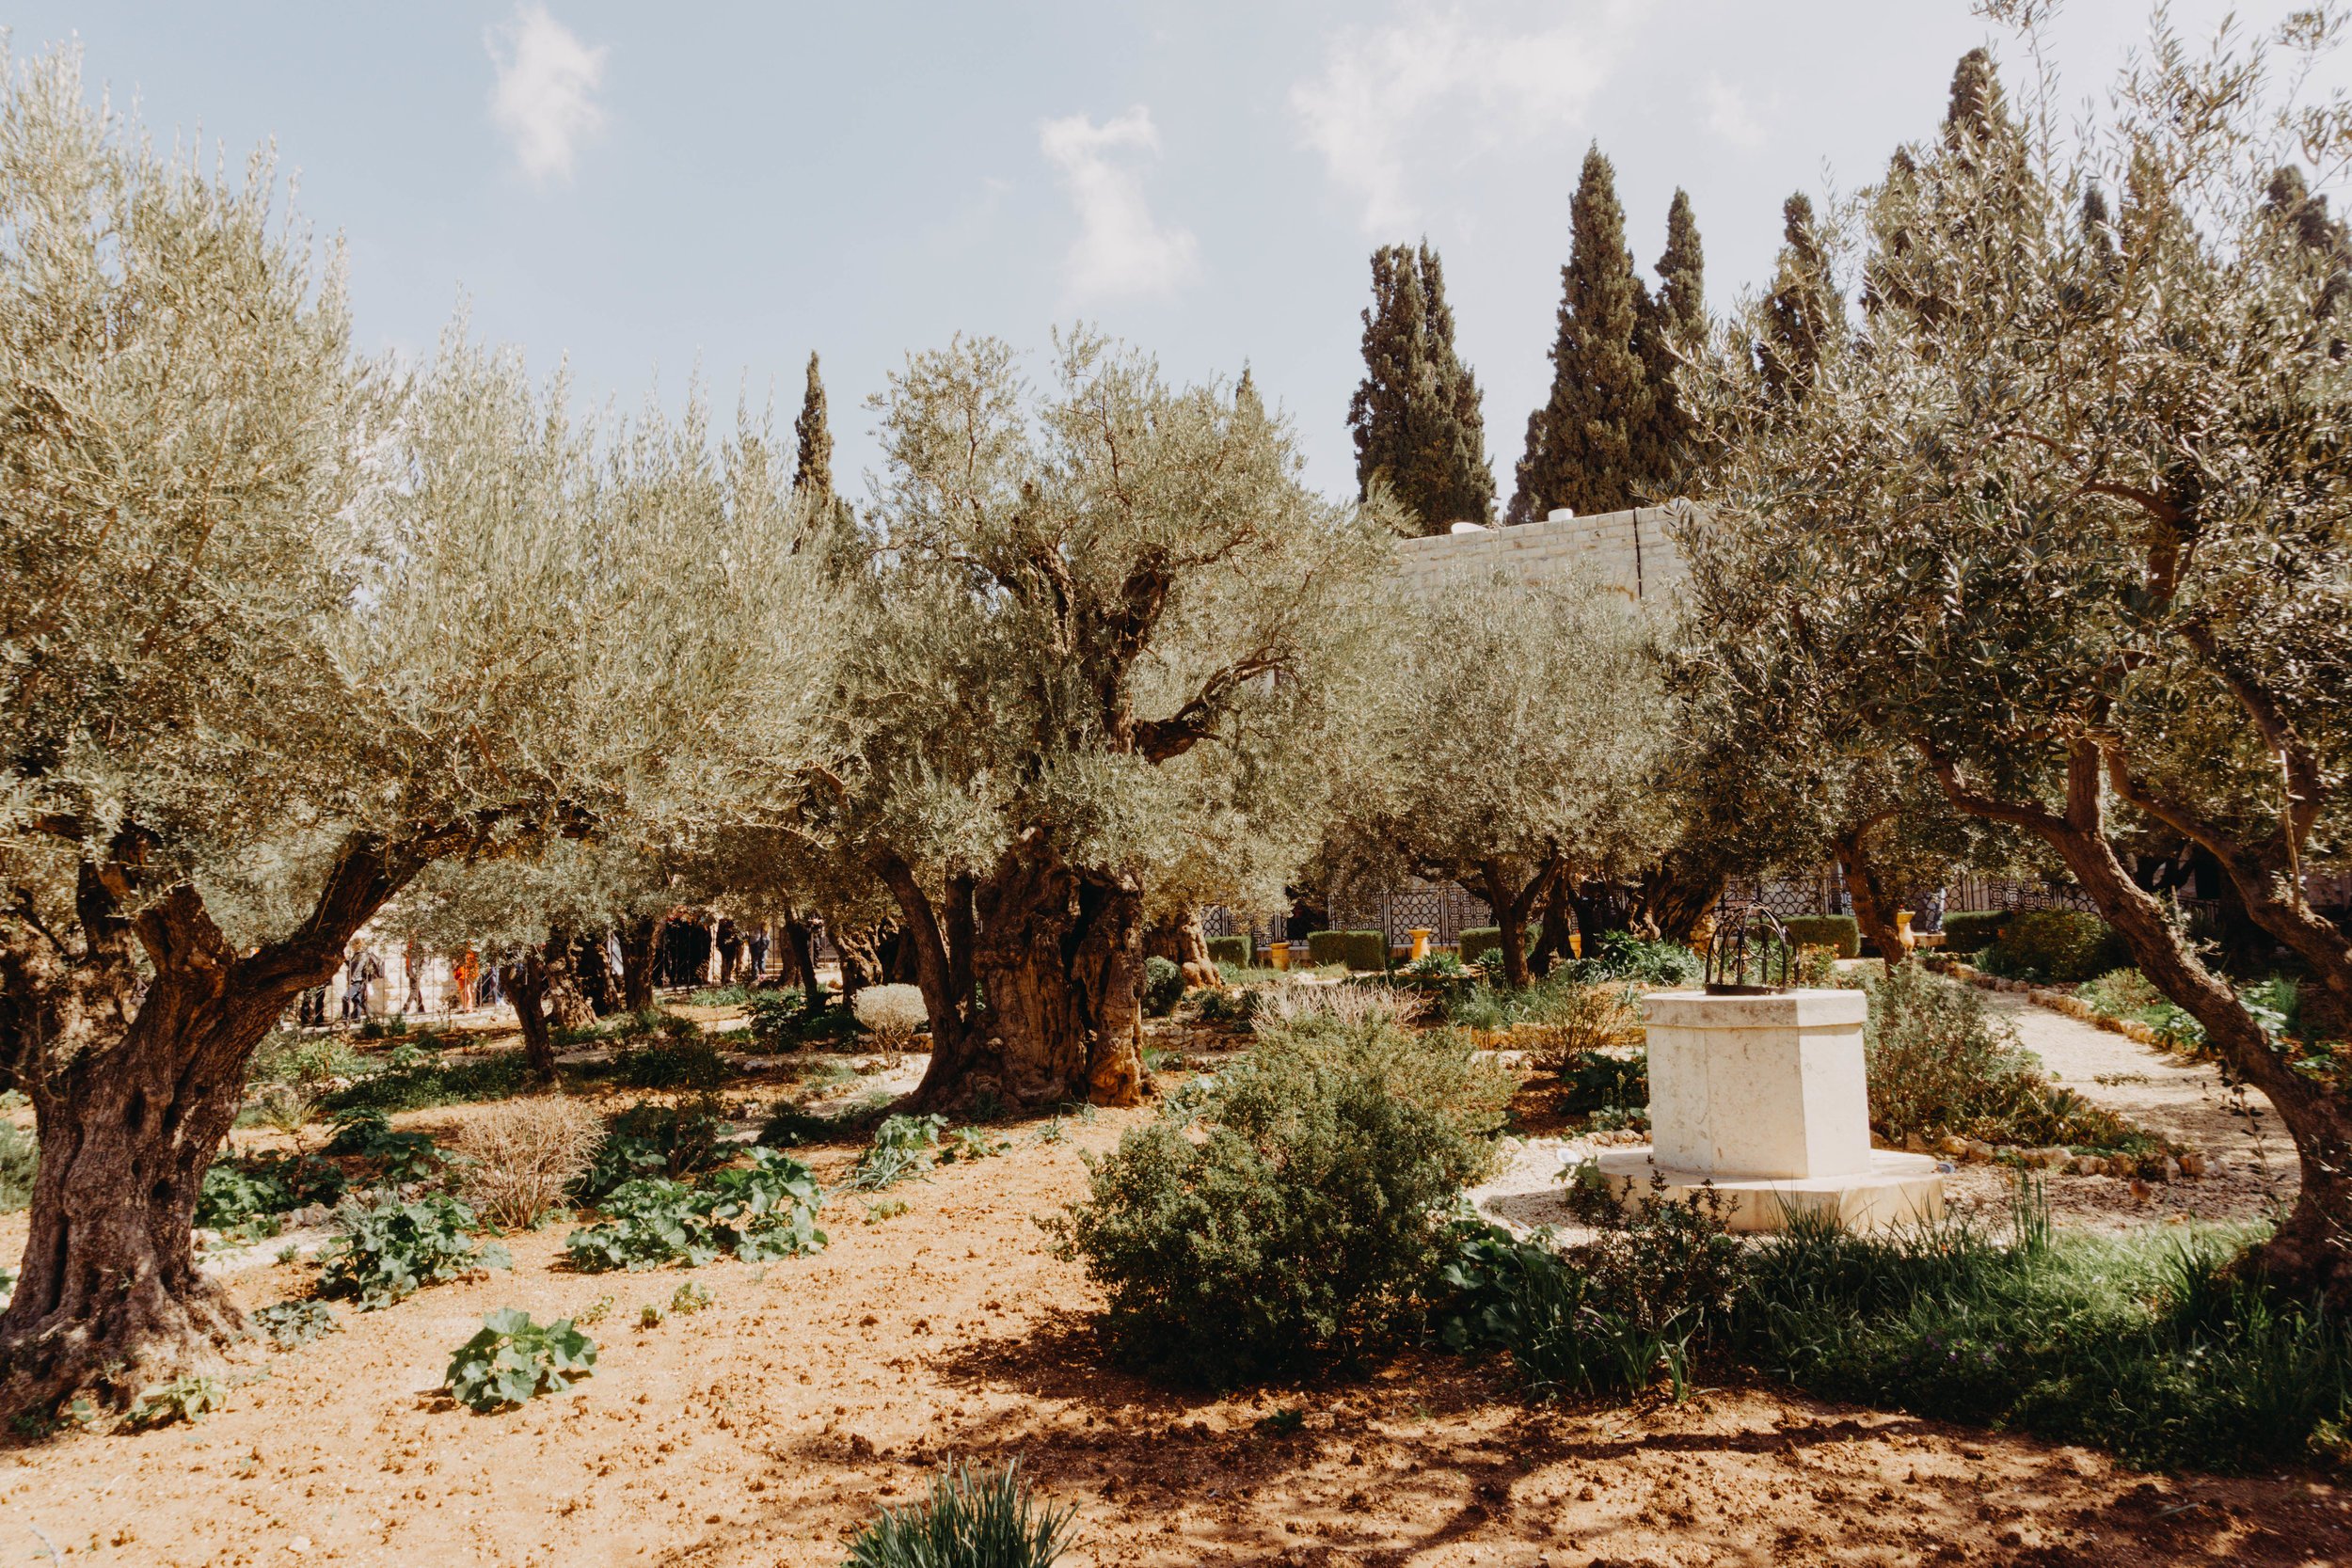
(1766, 1097)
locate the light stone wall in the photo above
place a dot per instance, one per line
(1630, 551)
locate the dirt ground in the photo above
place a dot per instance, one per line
(766, 1429)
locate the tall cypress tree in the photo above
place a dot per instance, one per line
(1581, 442)
(1805, 312)
(1976, 109)
(1416, 418)
(1673, 327)
(814, 473)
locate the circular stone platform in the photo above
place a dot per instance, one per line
(1899, 1189)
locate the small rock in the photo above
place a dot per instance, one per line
(2192, 1164)
(2087, 1165)
(2171, 1171)
(1952, 1147)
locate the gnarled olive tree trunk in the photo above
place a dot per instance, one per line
(132, 1095)
(1515, 895)
(1183, 943)
(1873, 908)
(638, 939)
(1057, 954)
(2311, 1251)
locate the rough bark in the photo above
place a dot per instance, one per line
(1873, 908)
(1556, 931)
(2311, 1251)
(861, 962)
(799, 945)
(526, 983)
(566, 1006)
(1513, 900)
(1675, 895)
(133, 1098)
(1058, 953)
(1183, 943)
(638, 945)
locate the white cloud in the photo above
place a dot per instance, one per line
(544, 97)
(1445, 73)
(1120, 248)
(1729, 114)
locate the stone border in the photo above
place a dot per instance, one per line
(2055, 1001)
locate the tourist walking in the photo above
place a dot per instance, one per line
(363, 969)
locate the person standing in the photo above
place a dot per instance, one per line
(468, 971)
(758, 946)
(364, 970)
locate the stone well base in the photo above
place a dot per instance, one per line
(1898, 1190)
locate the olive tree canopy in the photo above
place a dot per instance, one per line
(2069, 514)
(279, 628)
(1112, 643)
(1520, 747)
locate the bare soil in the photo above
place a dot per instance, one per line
(768, 1428)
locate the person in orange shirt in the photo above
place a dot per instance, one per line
(467, 969)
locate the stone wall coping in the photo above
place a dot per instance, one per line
(1791, 1009)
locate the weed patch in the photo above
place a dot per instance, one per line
(514, 1360)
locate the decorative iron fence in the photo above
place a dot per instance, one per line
(1442, 909)
(2010, 892)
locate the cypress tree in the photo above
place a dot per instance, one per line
(1977, 110)
(1673, 327)
(1803, 314)
(1580, 443)
(1416, 417)
(814, 473)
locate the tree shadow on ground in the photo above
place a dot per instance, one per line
(1426, 1458)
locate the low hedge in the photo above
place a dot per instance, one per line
(1231, 950)
(1840, 931)
(1973, 930)
(2064, 946)
(1479, 941)
(1356, 949)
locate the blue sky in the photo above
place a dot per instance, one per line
(649, 189)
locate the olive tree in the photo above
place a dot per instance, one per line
(281, 629)
(1519, 750)
(1104, 626)
(2066, 517)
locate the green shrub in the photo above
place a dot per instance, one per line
(238, 1192)
(903, 1146)
(1971, 930)
(1840, 931)
(1358, 950)
(672, 1140)
(2138, 1343)
(1310, 1222)
(512, 1360)
(766, 1210)
(990, 1520)
(1623, 956)
(1163, 986)
(2126, 993)
(450, 1081)
(20, 1165)
(387, 1250)
(1238, 951)
(1441, 969)
(1940, 1062)
(2061, 946)
(681, 1057)
(310, 1062)
(292, 1324)
(367, 1134)
(1477, 942)
(183, 1399)
(779, 1024)
(719, 996)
